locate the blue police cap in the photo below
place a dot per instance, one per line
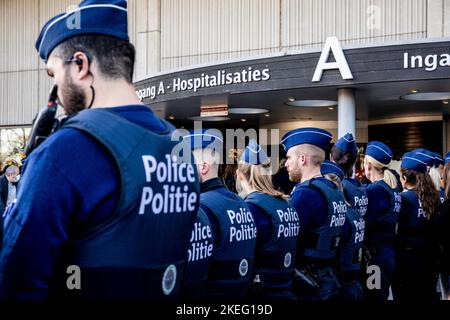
(331, 167)
(379, 151)
(206, 138)
(428, 155)
(414, 161)
(315, 136)
(347, 144)
(254, 154)
(447, 158)
(101, 17)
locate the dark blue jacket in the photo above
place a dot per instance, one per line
(70, 187)
(412, 222)
(274, 259)
(382, 214)
(234, 233)
(319, 241)
(355, 195)
(199, 255)
(351, 249)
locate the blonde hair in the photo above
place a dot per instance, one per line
(446, 178)
(388, 176)
(435, 177)
(259, 178)
(335, 179)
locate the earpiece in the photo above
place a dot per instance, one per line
(78, 62)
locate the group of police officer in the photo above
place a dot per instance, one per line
(106, 210)
(341, 227)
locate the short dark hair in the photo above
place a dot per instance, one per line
(345, 160)
(115, 57)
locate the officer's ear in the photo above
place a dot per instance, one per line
(302, 158)
(83, 64)
(204, 168)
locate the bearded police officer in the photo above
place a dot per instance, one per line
(103, 195)
(232, 224)
(277, 223)
(351, 249)
(321, 208)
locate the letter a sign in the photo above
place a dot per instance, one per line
(332, 44)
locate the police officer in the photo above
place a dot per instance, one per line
(345, 153)
(438, 226)
(94, 205)
(277, 223)
(382, 215)
(414, 277)
(321, 208)
(233, 227)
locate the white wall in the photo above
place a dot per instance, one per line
(200, 31)
(173, 33)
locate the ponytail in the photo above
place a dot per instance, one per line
(446, 178)
(427, 193)
(260, 179)
(335, 179)
(389, 178)
(424, 187)
(435, 177)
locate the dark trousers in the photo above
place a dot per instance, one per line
(385, 259)
(414, 278)
(351, 291)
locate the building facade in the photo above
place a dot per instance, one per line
(183, 39)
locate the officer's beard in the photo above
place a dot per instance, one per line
(73, 96)
(295, 176)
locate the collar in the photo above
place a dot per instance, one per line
(211, 184)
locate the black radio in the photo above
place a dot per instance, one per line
(44, 124)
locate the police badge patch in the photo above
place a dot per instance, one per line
(287, 259)
(243, 267)
(169, 279)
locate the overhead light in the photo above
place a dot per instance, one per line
(301, 119)
(247, 110)
(198, 118)
(330, 108)
(427, 96)
(312, 103)
(267, 115)
(243, 119)
(414, 90)
(171, 117)
(445, 102)
(291, 99)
